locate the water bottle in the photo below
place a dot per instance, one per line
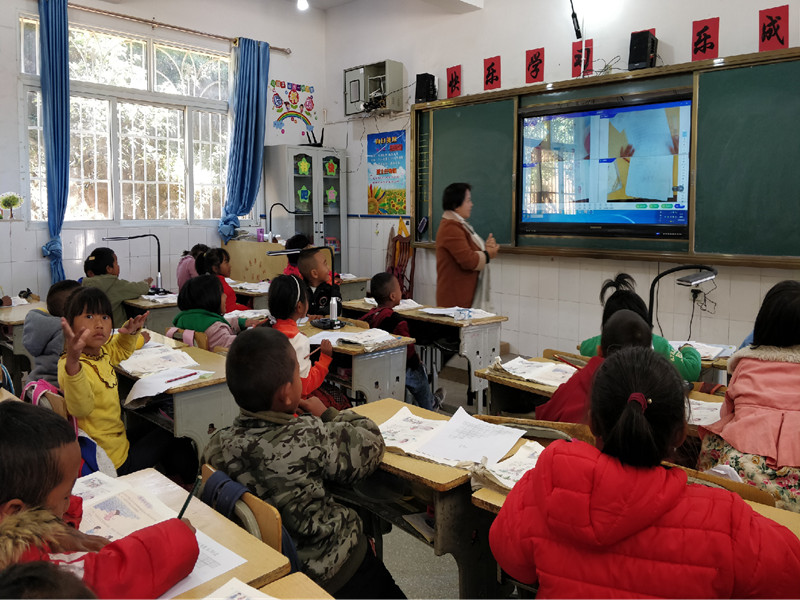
(334, 306)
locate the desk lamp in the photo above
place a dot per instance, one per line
(291, 212)
(705, 273)
(158, 289)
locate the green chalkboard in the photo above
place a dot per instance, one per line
(747, 194)
(475, 144)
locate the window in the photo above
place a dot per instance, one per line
(148, 128)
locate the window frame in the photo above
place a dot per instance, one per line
(115, 94)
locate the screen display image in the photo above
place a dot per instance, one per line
(621, 172)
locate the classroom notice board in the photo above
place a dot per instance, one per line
(747, 194)
(475, 144)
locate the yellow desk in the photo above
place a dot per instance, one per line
(460, 528)
(479, 339)
(380, 373)
(201, 406)
(161, 313)
(295, 585)
(264, 565)
(16, 358)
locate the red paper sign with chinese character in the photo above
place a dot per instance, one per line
(534, 65)
(705, 39)
(454, 81)
(773, 28)
(491, 73)
(582, 56)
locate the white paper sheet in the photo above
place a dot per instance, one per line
(407, 432)
(707, 351)
(347, 276)
(547, 373)
(333, 336)
(157, 383)
(214, 560)
(236, 589)
(369, 339)
(260, 313)
(17, 301)
(261, 286)
(508, 472)
(152, 360)
(161, 299)
(465, 438)
(703, 413)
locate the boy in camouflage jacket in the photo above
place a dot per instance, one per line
(286, 459)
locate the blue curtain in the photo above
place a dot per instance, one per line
(53, 47)
(249, 105)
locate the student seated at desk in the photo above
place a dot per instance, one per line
(611, 521)
(313, 264)
(296, 242)
(42, 335)
(39, 462)
(102, 272)
(686, 359)
(289, 460)
(202, 302)
(217, 262)
(570, 402)
(186, 265)
(758, 433)
(385, 288)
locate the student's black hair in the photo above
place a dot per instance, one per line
(203, 291)
(454, 195)
(778, 319)
(640, 437)
(211, 259)
(625, 328)
(57, 296)
(624, 296)
(285, 291)
(297, 242)
(196, 250)
(99, 261)
(87, 299)
(260, 361)
(41, 579)
(29, 469)
(306, 262)
(380, 286)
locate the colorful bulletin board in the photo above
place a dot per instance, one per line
(292, 108)
(386, 173)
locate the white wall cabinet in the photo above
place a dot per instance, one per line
(311, 182)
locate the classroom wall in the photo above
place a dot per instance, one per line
(550, 302)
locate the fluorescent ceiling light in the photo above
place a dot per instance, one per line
(302, 4)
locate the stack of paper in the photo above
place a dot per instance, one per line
(462, 439)
(703, 413)
(161, 299)
(152, 360)
(236, 589)
(347, 276)
(257, 313)
(112, 509)
(456, 311)
(17, 301)
(369, 339)
(405, 304)
(261, 286)
(546, 373)
(707, 351)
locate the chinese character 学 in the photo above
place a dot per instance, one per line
(454, 83)
(771, 29)
(702, 43)
(534, 65)
(491, 74)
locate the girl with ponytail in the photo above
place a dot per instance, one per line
(611, 520)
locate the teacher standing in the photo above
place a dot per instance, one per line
(462, 257)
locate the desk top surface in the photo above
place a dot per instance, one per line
(15, 315)
(263, 565)
(295, 585)
(355, 280)
(308, 329)
(149, 304)
(438, 477)
(417, 315)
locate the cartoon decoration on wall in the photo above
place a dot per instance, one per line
(293, 107)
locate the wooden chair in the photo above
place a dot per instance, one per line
(401, 258)
(258, 518)
(188, 337)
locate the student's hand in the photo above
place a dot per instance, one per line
(313, 405)
(70, 540)
(74, 343)
(148, 280)
(254, 322)
(627, 151)
(134, 325)
(492, 247)
(188, 523)
(326, 347)
(145, 336)
(337, 279)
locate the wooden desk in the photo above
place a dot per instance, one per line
(377, 374)
(16, 358)
(354, 289)
(201, 406)
(460, 528)
(264, 565)
(161, 313)
(295, 585)
(479, 339)
(260, 299)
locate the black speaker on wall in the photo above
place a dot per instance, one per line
(642, 55)
(426, 88)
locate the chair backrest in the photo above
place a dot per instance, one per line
(188, 337)
(260, 519)
(548, 430)
(401, 259)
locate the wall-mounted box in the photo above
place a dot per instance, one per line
(376, 87)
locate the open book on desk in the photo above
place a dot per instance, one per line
(546, 373)
(707, 351)
(503, 475)
(369, 339)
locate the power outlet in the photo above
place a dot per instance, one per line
(695, 293)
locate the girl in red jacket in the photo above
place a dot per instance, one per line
(611, 521)
(39, 462)
(217, 262)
